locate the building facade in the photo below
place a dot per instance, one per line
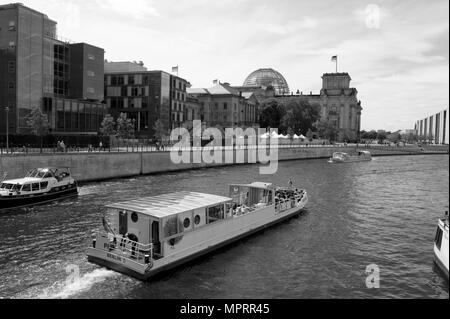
(38, 70)
(434, 129)
(146, 97)
(223, 106)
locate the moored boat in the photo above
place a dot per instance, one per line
(361, 156)
(146, 236)
(441, 245)
(40, 185)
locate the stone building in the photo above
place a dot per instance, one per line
(223, 106)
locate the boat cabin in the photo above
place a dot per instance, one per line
(163, 220)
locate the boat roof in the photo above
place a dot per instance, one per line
(255, 185)
(170, 204)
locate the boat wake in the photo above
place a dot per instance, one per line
(68, 288)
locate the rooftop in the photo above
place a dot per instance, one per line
(170, 204)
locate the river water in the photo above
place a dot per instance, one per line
(381, 213)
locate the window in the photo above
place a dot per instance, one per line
(131, 79)
(90, 73)
(12, 26)
(44, 185)
(90, 90)
(26, 188)
(134, 217)
(35, 186)
(12, 45)
(187, 222)
(11, 66)
(215, 214)
(438, 238)
(91, 57)
(225, 106)
(197, 219)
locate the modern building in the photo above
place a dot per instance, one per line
(223, 106)
(41, 70)
(146, 97)
(124, 67)
(434, 129)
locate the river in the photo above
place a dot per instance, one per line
(381, 213)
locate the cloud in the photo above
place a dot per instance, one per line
(136, 9)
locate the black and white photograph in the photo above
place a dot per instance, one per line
(225, 154)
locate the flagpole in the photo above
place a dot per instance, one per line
(336, 64)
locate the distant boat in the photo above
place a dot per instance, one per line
(149, 235)
(40, 185)
(441, 245)
(340, 157)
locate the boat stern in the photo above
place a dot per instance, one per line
(121, 255)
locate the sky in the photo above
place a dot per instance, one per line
(396, 51)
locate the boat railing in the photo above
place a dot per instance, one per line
(128, 248)
(288, 203)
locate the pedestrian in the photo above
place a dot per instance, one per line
(291, 184)
(100, 145)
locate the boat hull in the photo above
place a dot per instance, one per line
(145, 272)
(12, 202)
(441, 265)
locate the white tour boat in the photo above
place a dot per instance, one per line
(146, 236)
(361, 156)
(40, 185)
(441, 245)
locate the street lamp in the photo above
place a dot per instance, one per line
(7, 128)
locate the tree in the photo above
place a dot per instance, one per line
(107, 126)
(37, 121)
(272, 113)
(310, 135)
(125, 126)
(381, 136)
(394, 137)
(327, 130)
(290, 133)
(347, 136)
(300, 116)
(160, 130)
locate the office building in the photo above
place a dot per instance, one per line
(41, 70)
(434, 129)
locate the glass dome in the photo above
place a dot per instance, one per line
(266, 78)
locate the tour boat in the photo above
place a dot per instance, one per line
(441, 245)
(340, 157)
(40, 185)
(146, 236)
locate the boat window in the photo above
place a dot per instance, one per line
(438, 238)
(215, 213)
(48, 175)
(35, 186)
(197, 219)
(26, 188)
(134, 217)
(171, 226)
(7, 186)
(187, 222)
(44, 185)
(40, 174)
(16, 187)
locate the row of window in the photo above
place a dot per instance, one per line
(181, 86)
(178, 96)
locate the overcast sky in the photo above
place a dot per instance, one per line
(399, 63)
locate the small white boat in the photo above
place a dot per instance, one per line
(146, 236)
(40, 185)
(441, 245)
(361, 156)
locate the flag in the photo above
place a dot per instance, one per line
(334, 58)
(175, 69)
